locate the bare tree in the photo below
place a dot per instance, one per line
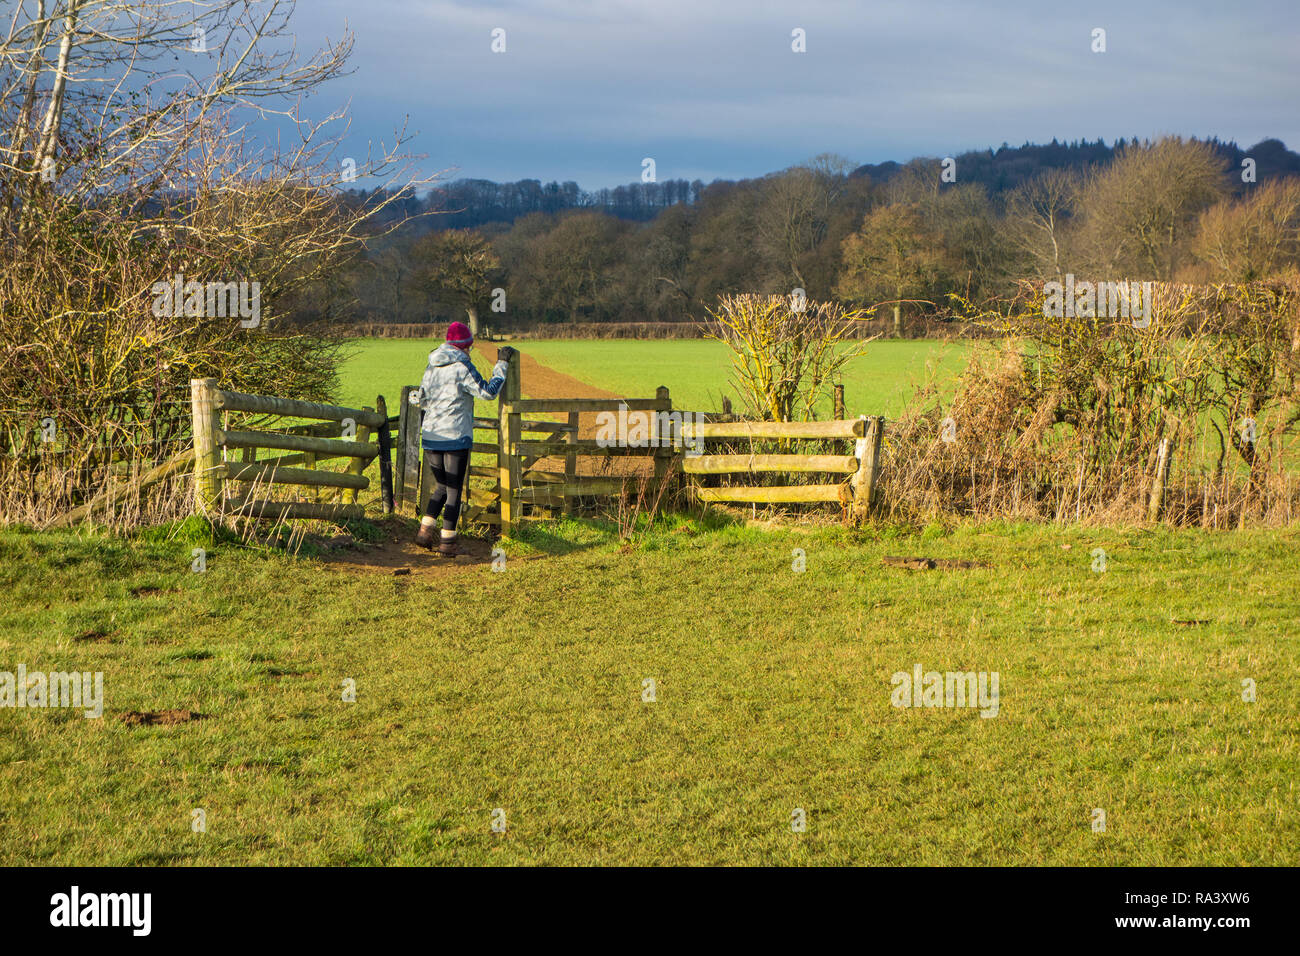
(784, 360)
(1038, 217)
(891, 260)
(131, 165)
(795, 211)
(1140, 211)
(1255, 238)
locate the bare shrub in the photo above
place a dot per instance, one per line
(1066, 419)
(784, 358)
(104, 194)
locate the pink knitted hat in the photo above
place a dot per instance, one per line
(458, 334)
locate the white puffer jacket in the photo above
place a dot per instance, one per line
(447, 393)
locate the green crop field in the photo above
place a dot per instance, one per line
(696, 371)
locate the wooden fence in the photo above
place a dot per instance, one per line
(863, 465)
(309, 444)
(533, 463)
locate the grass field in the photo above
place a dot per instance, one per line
(522, 690)
(1120, 689)
(695, 371)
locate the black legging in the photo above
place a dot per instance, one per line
(449, 469)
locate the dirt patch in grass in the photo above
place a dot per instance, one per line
(397, 555)
(152, 591)
(150, 718)
(929, 564)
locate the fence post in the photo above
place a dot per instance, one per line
(663, 453)
(1156, 504)
(207, 455)
(507, 440)
(403, 422)
(868, 455)
(427, 483)
(385, 458)
(839, 403)
(571, 463)
(415, 470)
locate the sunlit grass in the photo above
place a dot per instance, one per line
(522, 690)
(696, 371)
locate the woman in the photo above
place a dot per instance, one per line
(446, 397)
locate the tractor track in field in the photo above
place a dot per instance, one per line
(541, 381)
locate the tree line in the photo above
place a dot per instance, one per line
(903, 238)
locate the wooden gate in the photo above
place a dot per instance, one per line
(530, 461)
(309, 445)
(527, 461)
(862, 466)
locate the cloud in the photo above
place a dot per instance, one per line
(586, 89)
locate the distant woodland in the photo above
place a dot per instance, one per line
(903, 238)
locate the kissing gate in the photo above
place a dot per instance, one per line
(534, 460)
(537, 457)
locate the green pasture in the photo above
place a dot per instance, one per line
(696, 371)
(524, 691)
(884, 380)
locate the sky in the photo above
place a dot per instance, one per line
(587, 90)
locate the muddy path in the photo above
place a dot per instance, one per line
(396, 554)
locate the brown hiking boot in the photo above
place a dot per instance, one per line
(448, 548)
(424, 537)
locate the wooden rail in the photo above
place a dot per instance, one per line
(789, 494)
(548, 449)
(293, 408)
(273, 474)
(723, 464)
(293, 509)
(851, 428)
(587, 405)
(328, 447)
